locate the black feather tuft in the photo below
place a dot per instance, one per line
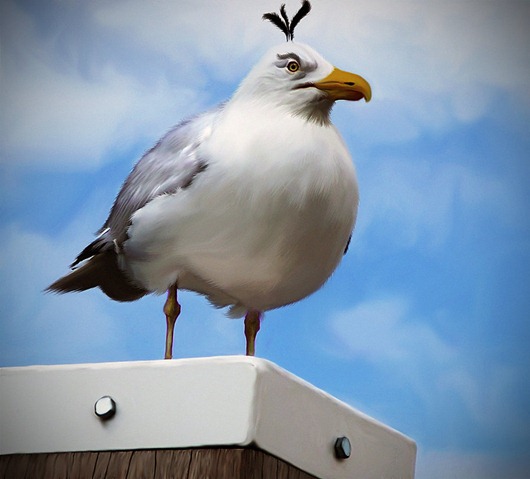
(283, 23)
(304, 10)
(283, 13)
(276, 20)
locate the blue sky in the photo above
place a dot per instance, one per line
(425, 323)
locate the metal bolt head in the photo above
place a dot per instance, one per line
(105, 407)
(342, 448)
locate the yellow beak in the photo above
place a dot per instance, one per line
(341, 85)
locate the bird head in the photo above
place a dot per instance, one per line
(295, 77)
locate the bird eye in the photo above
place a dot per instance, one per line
(293, 66)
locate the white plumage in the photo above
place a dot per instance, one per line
(251, 204)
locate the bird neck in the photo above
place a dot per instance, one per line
(316, 111)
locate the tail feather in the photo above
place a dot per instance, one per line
(100, 271)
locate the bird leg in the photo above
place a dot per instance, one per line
(252, 324)
(172, 311)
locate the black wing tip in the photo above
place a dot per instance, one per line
(100, 272)
(100, 244)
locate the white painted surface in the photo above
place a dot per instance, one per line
(221, 401)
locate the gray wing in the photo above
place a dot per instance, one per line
(172, 164)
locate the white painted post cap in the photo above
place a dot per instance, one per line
(218, 401)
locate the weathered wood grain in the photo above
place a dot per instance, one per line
(172, 463)
(198, 463)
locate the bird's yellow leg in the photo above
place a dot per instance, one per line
(172, 311)
(252, 324)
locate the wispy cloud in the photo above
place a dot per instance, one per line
(55, 115)
(194, 36)
(410, 202)
(434, 65)
(74, 112)
(388, 334)
(38, 327)
(379, 331)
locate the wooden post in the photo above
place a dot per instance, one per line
(199, 463)
(229, 417)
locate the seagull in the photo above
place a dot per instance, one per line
(251, 204)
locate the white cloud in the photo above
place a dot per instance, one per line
(53, 115)
(75, 123)
(224, 38)
(379, 331)
(432, 65)
(429, 47)
(41, 327)
(411, 202)
(385, 332)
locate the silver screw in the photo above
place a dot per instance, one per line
(105, 407)
(342, 448)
